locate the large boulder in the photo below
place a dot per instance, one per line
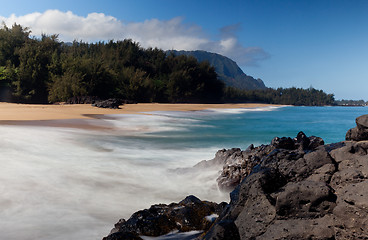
(360, 132)
(238, 164)
(109, 103)
(187, 215)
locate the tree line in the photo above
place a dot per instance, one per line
(46, 70)
(285, 96)
(346, 102)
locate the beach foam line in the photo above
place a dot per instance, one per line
(204, 112)
(243, 110)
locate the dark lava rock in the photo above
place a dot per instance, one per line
(360, 132)
(283, 143)
(109, 103)
(319, 192)
(224, 230)
(123, 236)
(97, 102)
(237, 164)
(315, 142)
(187, 215)
(305, 199)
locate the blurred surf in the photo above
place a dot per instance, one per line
(70, 183)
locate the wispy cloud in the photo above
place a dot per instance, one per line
(170, 34)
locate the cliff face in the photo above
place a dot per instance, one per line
(294, 189)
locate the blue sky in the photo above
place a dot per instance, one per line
(322, 43)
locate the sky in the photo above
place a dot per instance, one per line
(287, 43)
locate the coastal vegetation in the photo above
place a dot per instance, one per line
(46, 70)
(345, 102)
(285, 96)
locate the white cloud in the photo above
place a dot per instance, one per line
(170, 34)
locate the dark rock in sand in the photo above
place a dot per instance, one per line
(109, 103)
(97, 102)
(187, 215)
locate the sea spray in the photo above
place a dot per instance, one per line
(72, 184)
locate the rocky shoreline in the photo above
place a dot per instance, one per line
(296, 188)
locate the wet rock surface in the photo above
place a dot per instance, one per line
(290, 189)
(188, 215)
(237, 164)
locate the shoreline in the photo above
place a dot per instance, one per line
(87, 117)
(25, 112)
(20, 114)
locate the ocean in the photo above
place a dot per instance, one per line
(65, 183)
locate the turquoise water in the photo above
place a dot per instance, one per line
(64, 183)
(239, 128)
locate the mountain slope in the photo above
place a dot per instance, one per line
(227, 70)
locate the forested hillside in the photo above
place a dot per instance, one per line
(46, 70)
(227, 70)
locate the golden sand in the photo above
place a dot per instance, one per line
(83, 116)
(26, 112)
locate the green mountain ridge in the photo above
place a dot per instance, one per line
(227, 70)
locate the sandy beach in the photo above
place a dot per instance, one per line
(84, 116)
(32, 112)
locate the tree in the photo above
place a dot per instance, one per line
(11, 40)
(33, 77)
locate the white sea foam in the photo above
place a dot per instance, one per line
(59, 183)
(212, 217)
(175, 236)
(155, 122)
(243, 110)
(194, 115)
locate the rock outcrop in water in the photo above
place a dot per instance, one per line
(238, 164)
(296, 189)
(360, 132)
(188, 215)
